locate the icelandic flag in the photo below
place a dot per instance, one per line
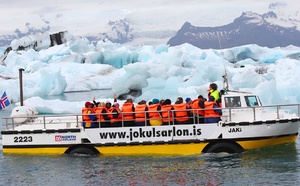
(4, 102)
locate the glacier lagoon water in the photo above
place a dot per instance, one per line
(278, 165)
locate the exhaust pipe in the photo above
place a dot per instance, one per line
(21, 86)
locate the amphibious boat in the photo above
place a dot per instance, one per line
(244, 126)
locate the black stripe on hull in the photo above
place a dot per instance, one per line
(260, 122)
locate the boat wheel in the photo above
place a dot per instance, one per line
(223, 146)
(82, 150)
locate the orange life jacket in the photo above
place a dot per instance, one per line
(152, 114)
(140, 113)
(128, 111)
(111, 109)
(109, 112)
(117, 119)
(99, 114)
(84, 112)
(167, 113)
(209, 110)
(85, 117)
(181, 113)
(196, 108)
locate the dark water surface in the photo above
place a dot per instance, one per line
(278, 165)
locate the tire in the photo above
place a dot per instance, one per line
(83, 151)
(224, 147)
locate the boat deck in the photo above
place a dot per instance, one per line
(229, 115)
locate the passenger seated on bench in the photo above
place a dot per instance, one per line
(102, 115)
(166, 112)
(154, 113)
(181, 112)
(128, 113)
(198, 106)
(88, 116)
(116, 115)
(141, 113)
(212, 111)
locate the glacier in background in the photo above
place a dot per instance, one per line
(154, 71)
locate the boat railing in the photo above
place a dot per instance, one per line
(229, 114)
(262, 113)
(44, 122)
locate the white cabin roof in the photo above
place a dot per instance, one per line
(238, 93)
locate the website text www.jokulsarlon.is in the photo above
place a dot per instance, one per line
(152, 132)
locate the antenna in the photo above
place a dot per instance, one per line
(225, 80)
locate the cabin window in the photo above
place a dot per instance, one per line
(251, 101)
(233, 101)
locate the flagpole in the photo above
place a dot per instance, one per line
(11, 105)
(21, 86)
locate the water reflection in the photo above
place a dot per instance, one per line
(147, 171)
(279, 159)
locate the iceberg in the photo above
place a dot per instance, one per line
(144, 72)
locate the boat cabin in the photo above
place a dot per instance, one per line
(240, 99)
(240, 106)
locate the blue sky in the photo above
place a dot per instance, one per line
(82, 17)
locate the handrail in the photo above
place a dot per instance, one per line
(231, 112)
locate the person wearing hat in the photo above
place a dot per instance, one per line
(188, 102)
(154, 114)
(116, 115)
(88, 116)
(116, 104)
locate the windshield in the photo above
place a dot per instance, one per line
(233, 101)
(251, 101)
